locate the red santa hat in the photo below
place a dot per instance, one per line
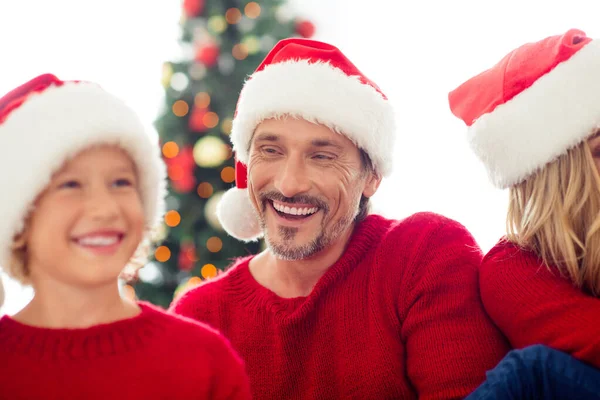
(46, 121)
(539, 101)
(314, 81)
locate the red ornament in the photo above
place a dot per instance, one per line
(196, 120)
(186, 184)
(208, 55)
(186, 157)
(181, 170)
(305, 28)
(183, 159)
(187, 257)
(193, 8)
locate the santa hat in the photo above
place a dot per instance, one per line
(45, 122)
(539, 101)
(316, 82)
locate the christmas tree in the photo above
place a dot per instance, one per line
(222, 42)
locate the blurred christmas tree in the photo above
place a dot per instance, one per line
(222, 42)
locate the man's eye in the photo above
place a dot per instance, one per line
(322, 157)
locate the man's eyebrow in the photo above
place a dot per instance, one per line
(266, 137)
(325, 143)
(271, 137)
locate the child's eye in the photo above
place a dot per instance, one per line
(123, 182)
(70, 185)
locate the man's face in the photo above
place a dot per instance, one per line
(305, 181)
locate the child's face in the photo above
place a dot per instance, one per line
(88, 222)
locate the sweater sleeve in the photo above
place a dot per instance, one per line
(533, 305)
(450, 341)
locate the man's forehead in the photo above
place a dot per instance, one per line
(312, 140)
(306, 132)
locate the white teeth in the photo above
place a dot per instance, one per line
(295, 210)
(98, 241)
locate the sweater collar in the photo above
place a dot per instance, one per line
(239, 281)
(82, 343)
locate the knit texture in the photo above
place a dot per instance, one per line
(151, 356)
(398, 316)
(533, 304)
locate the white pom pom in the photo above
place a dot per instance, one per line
(237, 216)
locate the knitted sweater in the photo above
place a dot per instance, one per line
(533, 304)
(151, 356)
(398, 316)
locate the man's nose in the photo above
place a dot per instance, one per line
(292, 178)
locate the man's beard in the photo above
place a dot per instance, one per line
(285, 248)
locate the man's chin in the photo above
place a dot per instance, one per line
(292, 250)
(287, 254)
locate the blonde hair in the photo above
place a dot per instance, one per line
(556, 214)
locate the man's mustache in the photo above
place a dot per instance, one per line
(274, 195)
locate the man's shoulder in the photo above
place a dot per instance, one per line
(429, 219)
(423, 224)
(181, 326)
(209, 292)
(427, 238)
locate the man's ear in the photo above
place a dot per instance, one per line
(372, 184)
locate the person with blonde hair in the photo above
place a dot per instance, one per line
(83, 187)
(534, 121)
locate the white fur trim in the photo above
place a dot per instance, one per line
(317, 92)
(54, 125)
(556, 113)
(237, 215)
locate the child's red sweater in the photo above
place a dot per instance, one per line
(534, 304)
(151, 356)
(398, 316)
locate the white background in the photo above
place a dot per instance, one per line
(416, 51)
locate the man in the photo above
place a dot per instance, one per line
(341, 305)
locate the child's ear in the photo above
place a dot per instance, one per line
(20, 240)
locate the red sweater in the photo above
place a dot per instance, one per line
(398, 316)
(533, 305)
(151, 356)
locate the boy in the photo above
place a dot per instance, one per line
(82, 191)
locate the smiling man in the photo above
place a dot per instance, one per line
(341, 304)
